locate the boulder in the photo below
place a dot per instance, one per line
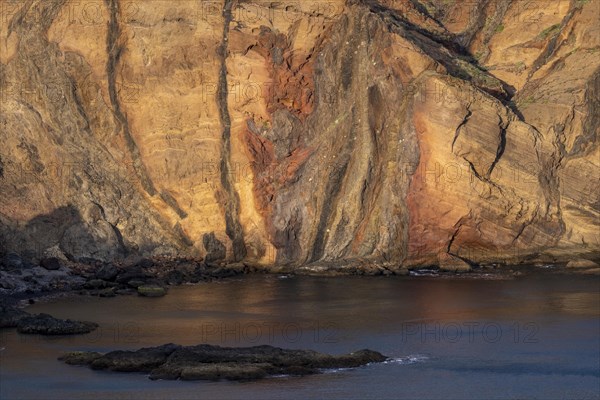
(107, 272)
(50, 263)
(582, 263)
(175, 277)
(96, 284)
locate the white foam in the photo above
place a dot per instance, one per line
(411, 359)
(424, 273)
(334, 370)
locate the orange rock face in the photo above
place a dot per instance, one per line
(366, 132)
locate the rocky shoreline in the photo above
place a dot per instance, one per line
(23, 282)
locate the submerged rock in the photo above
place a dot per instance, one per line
(45, 324)
(151, 291)
(206, 362)
(80, 357)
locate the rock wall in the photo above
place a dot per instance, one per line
(393, 132)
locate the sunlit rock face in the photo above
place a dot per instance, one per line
(396, 133)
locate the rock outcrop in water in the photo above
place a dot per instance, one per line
(390, 132)
(41, 324)
(206, 362)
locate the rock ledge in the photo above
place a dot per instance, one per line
(207, 362)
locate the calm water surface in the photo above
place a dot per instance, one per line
(537, 337)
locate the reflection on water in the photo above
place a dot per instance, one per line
(532, 337)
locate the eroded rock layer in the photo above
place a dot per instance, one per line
(393, 132)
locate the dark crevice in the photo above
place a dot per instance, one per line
(482, 178)
(445, 50)
(181, 235)
(447, 40)
(453, 238)
(525, 225)
(451, 242)
(553, 45)
(588, 140)
(462, 123)
(171, 202)
(80, 108)
(119, 239)
(474, 171)
(501, 145)
(114, 50)
(488, 23)
(476, 24)
(233, 227)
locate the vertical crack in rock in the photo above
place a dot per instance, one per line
(233, 227)
(503, 126)
(463, 123)
(527, 223)
(453, 238)
(475, 172)
(115, 49)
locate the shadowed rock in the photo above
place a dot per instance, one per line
(10, 316)
(206, 362)
(45, 324)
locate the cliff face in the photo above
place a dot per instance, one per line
(399, 132)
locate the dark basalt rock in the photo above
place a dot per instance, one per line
(45, 324)
(11, 261)
(215, 250)
(51, 263)
(135, 273)
(80, 357)
(207, 362)
(10, 316)
(146, 263)
(107, 272)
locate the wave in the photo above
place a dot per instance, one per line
(411, 359)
